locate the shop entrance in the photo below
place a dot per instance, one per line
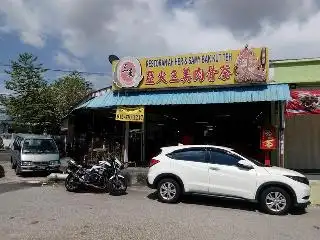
(231, 125)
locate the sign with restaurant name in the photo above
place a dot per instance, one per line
(245, 66)
(130, 114)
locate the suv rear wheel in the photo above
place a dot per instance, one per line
(169, 190)
(275, 201)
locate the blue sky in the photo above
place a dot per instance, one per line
(80, 34)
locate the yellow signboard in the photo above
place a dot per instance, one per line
(245, 66)
(130, 114)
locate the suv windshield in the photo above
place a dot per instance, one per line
(39, 146)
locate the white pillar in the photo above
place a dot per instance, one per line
(282, 106)
(126, 143)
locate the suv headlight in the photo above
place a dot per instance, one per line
(299, 179)
(55, 162)
(26, 163)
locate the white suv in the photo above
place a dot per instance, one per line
(219, 171)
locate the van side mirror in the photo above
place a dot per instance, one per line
(244, 165)
(17, 148)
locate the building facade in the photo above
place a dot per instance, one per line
(223, 98)
(302, 121)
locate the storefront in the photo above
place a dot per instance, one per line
(221, 98)
(302, 113)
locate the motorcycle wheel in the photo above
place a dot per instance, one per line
(118, 187)
(71, 183)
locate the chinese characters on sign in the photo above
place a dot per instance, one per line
(248, 65)
(187, 76)
(268, 139)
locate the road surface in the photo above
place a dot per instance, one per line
(50, 213)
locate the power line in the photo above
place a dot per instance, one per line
(67, 71)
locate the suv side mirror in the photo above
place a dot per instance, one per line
(244, 164)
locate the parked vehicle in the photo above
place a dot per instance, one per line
(6, 140)
(104, 176)
(221, 172)
(1, 143)
(30, 153)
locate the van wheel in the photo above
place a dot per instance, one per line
(12, 164)
(17, 169)
(275, 201)
(169, 190)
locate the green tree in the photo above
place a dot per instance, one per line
(27, 105)
(66, 92)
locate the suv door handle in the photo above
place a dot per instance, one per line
(214, 168)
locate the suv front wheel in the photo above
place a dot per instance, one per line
(169, 190)
(275, 201)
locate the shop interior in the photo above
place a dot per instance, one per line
(233, 125)
(93, 134)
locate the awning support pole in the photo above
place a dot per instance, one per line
(281, 132)
(126, 143)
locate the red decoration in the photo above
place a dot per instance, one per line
(174, 76)
(198, 75)
(225, 73)
(303, 102)
(211, 74)
(150, 78)
(186, 76)
(162, 77)
(268, 139)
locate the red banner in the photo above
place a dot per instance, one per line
(268, 139)
(303, 102)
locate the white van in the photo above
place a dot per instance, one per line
(31, 153)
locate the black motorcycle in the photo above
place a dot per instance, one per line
(103, 176)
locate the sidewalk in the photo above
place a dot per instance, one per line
(315, 192)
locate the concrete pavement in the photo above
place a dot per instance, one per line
(315, 192)
(50, 213)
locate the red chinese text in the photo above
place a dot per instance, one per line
(174, 76)
(186, 76)
(225, 73)
(162, 77)
(211, 74)
(198, 75)
(150, 78)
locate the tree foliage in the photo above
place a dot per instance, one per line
(34, 103)
(67, 91)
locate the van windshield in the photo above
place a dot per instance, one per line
(6, 136)
(39, 146)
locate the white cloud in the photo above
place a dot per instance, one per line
(68, 61)
(94, 29)
(99, 81)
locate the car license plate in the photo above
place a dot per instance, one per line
(41, 167)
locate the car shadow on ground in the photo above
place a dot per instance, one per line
(223, 203)
(33, 174)
(36, 174)
(98, 191)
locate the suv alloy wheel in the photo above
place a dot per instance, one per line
(275, 201)
(169, 190)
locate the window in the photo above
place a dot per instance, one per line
(223, 158)
(16, 143)
(194, 155)
(39, 146)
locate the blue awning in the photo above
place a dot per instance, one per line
(256, 93)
